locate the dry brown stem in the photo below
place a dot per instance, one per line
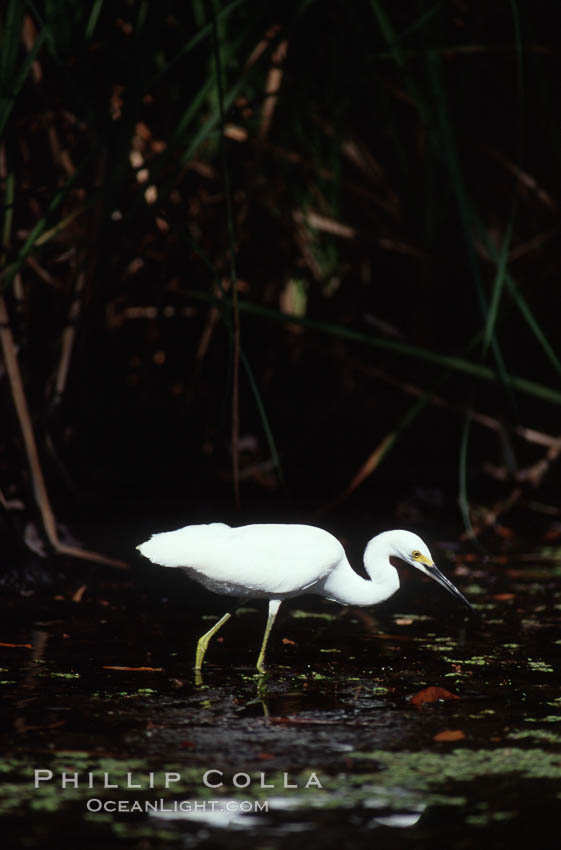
(13, 372)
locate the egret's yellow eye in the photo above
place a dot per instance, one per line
(415, 554)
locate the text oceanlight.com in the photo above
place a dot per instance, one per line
(174, 806)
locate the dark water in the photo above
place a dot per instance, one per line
(334, 713)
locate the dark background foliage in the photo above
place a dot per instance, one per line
(382, 182)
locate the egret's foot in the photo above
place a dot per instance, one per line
(198, 678)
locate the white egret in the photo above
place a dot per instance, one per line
(277, 562)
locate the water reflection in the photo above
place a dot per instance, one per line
(217, 818)
(29, 685)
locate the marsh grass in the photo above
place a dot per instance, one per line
(397, 161)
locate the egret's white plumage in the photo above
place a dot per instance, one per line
(279, 561)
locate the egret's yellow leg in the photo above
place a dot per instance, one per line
(204, 640)
(274, 605)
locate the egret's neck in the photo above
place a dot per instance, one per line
(345, 586)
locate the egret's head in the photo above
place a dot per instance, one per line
(410, 548)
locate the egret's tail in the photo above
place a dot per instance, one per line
(183, 547)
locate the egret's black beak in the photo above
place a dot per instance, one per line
(435, 573)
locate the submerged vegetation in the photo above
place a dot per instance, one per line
(375, 743)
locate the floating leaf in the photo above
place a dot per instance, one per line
(449, 735)
(432, 694)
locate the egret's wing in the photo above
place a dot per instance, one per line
(278, 558)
